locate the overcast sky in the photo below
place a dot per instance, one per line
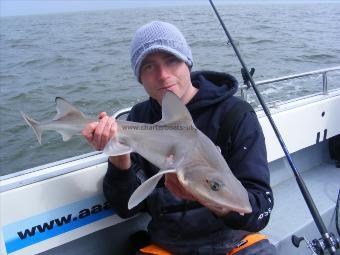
(29, 7)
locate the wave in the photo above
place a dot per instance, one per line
(99, 68)
(263, 41)
(21, 97)
(30, 62)
(7, 77)
(62, 60)
(321, 56)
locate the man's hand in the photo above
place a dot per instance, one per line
(99, 133)
(172, 183)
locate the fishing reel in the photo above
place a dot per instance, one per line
(318, 246)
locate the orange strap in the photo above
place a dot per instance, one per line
(155, 250)
(247, 241)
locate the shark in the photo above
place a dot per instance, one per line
(173, 144)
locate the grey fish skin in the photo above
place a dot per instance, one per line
(175, 145)
(68, 122)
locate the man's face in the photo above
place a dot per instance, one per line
(161, 72)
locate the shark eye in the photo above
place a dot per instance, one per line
(215, 185)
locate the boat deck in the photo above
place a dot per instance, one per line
(291, 215)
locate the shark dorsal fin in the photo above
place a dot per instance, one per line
(173, 110)
(64, 108)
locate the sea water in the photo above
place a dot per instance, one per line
(84, 57)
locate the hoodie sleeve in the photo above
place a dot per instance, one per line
(118, 185)
(248, 162)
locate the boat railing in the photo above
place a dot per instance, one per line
(244, 89)
(121, 112)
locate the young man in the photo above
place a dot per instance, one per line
(161, 60)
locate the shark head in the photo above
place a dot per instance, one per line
(207, 176)
(213, 188)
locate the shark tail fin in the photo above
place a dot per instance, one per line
(146, 188)
(34, 125)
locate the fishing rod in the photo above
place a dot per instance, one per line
(328, 240)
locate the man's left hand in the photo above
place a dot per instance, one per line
(175, 187)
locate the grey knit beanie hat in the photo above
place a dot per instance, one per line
(158, 36)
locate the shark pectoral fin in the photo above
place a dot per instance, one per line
(146, 188)
(66, 135)
(114, 148)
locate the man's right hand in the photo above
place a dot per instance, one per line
(99, 133)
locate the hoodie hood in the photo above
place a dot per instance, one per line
(213, 87)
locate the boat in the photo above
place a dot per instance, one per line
(59, 208)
